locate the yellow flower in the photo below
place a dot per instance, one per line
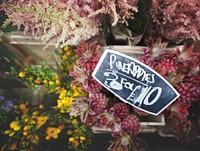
(38, 82)
(64, 104)
(26, 119)
(22, 74)
(71, 139)
(52, 132)
(69, 132)
(45, 81)
(11, 134)
(15, 125)
(7, 131)
(35, 113)
(57, 88)
(74, 122)
(26, 133)
(62, 94)
(22, 106)
(41, 106)
(58, 82)
(66, 48)
(56, 77)
(41, 120)
(32, 121)
(82, 138)
(51, 83)
(76, 93)
(64, 57)
(26, 128)
(78, 131)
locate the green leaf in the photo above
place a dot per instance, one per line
(13, 71)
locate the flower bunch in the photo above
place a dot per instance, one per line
(34, 77)
(79, 138)
(65, 22)
(30, 126)
(52, 21)
(119, 11)
(176, 20)
(23, 128)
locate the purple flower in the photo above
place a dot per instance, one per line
(7, 105)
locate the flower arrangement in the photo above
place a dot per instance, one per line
(78, 95)
(27, 126)
(77, 101)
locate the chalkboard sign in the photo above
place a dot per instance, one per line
(134, 82)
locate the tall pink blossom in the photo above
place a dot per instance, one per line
(176, 20)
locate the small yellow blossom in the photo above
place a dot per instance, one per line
(22, 106)
(26, 128)
(78, 131)
(69, 132)
(26, 133)
(57, 88)
(58, 82)
(32, 121)
(71, 139)
(41, 120)
(11, 134)
(52, 132)
(74, 122)
(76, 93)
(41, 106)
(45, 81)
(62, 94)
(26, 119)
(51, 83)
(15, 125)
(35, 113)
(66, 48)
(64, 104)
(22, 74)
(64, 57)
(70, 67)
(37, 81)
(82, 138)
(7, 131)
(56, 77)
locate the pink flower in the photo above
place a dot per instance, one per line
(79, 77)
(179, 110)
(81, 108)
(122, 142)
(176, 20)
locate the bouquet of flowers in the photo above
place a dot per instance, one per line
(76, 97)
